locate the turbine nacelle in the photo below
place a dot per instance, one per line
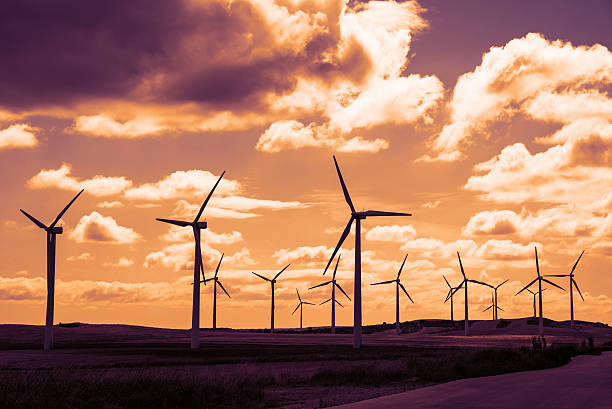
(56, 230)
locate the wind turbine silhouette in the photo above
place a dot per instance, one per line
(333, 296)
(217, 281)
(300, 306)
(465, 283)
(494, 306)
(572, 283)
(398, 285)
(52, 231)
(196, 225)
(495, 300)
(539, 279)
(272, 282)
(534, 301)
(449, 295)
(357, 217)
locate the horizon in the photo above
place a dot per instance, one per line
(490, 123)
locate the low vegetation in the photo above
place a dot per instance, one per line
(244, 383)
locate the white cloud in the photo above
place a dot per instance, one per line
(394, 233)
(60, 178)
(104, 126)
(81, 257)
(122, 262)
(182, 234)
(18, 136)
(103, 229)
(110, 205)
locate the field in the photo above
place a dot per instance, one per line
(116, 366)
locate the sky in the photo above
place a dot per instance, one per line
(490, 122)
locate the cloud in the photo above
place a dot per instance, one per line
(18, 136)
(394, 233)
(431, 205)
(181, 234)
(122, 262)
(546, 80)
(60, 178)
(179, 257)
(103, 229)
(103, 126)
(293, 135)
(81, 257)
(110, 205)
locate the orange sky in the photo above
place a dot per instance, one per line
(495, 133)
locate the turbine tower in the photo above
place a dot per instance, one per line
(196, 226)
(272, 282)
(572, 283)
(494, 306)
(398, 285)
(495, 301)
(300, 306)
(357, 217)
(333, 296)
(52, 231)
(539, 279)
(465, 283)
(217, 281)
(449, 295)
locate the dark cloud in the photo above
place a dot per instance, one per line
(219, 52)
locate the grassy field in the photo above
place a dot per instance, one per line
(258, 376)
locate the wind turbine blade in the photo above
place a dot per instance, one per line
(219, 265)
(371, 213)
(345, 233)
(499, 285)
(296, 308)
(223, 288)
(576, 285)
(207, 199)
(298, 293)
(336, 268)
(320, 285)
(500, 308)
(338, 302)
(457, 288)
(537, 264)
(551, 283)
(280, 272)
(527, 286)
(385, 282)
(202, 270)
(575, 264)
(410, 298)
(488, 308)
(326, 301)
(461, 265)
(481, 283)
(260, 276)
(340, 288)
(447, 283)
(59, 216)
(33, 219)
(306, 302)
(531, 291)
(176, 222)
(556, 275)
(344, 189)
(401, 267)
(448, 295)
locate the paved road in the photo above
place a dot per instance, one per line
(586, 382)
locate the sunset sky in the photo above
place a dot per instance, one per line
(490, 121)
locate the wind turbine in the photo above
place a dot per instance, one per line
(196, 226)
(534, 301)
(449, 295)
(357, 217)
(572, 283)
(465, 283)
(495, 302)
(333, 296)
(272, 282)
(494, 306)
(52, 231)
(300, 306)
(398, 285)
(216, 280)
(539, 279)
